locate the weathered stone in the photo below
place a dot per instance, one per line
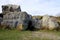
(53, 24)
(20, 27)
(10, 8)
(13, 19)
(1, 19)
(45, 21)
(49, 23)
(37, 23)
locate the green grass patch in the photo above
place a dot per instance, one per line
(22, 35)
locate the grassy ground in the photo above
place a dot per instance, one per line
(29, 35)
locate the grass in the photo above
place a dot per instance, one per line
(22, 35)
(12, 34)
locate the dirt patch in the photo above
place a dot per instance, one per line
(47, 35)
(37, 35)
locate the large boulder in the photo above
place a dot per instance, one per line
(10, 8)
(53, 24)
(14, 19)
(50, 23)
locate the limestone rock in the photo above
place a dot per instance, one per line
(10, 8)
(49, 23)
(45, 21)
(53, 24)
(13, 19)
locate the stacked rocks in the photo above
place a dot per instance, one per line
(13, 17)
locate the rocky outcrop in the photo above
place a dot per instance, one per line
(49, 23)
(10, 8)
(13, 17)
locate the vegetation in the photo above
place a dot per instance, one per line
(28, 35)
(39, 17)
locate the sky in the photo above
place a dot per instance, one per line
(36, 7)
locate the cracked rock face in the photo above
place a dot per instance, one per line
(13, 19)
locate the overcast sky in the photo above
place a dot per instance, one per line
(36, 7)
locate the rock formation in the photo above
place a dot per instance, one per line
(10, 8)
(37, 24)
(53, 24)
(45, 21)
(49, 23)
(13, 16)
